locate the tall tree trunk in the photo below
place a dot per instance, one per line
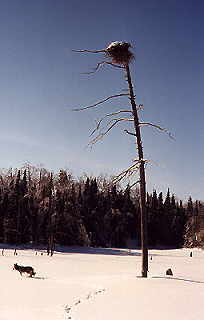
(143, 209)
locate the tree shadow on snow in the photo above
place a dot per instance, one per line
(180, 279)
(100, 251)
(41, 249)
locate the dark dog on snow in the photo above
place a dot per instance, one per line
(23, 269)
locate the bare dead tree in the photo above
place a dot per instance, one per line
(121, 56)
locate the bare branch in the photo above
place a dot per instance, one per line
(157, 127)
(129, 171)
(101, 64)
(102, 134)
(91, 51)
(102, 101)
(132, 185)
(98, 123)
(120, 119)
(117, 112)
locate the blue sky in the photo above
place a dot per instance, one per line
(41, 82)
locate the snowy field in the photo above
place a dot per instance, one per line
(96, 284)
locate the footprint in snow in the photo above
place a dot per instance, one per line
(76, 303)
(90, 295)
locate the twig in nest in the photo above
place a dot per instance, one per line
(157, 127)
(102, 101)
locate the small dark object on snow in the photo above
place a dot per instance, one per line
(79, 301)
(23, 269)
(191, 254)
(169, 272)
(41, 253)
(151, 258)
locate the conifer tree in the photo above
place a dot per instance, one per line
(190, 207)
(167, 202)
(160, 201)
(154, 204)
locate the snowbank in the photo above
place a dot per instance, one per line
(98, 284)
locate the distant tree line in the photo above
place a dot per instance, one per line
(39, 207)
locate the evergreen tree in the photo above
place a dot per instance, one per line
(167, 202)
(44, 208)
(160, 201)
(190, 207)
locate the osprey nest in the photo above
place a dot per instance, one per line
(119, 52)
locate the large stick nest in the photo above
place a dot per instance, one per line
(119, 52)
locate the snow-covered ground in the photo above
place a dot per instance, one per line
(96, 284)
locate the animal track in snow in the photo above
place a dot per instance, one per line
(91, 295)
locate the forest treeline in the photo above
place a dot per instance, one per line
(39, 207)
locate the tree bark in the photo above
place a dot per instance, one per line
(143, 209)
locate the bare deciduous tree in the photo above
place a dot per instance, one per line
(120, 56)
